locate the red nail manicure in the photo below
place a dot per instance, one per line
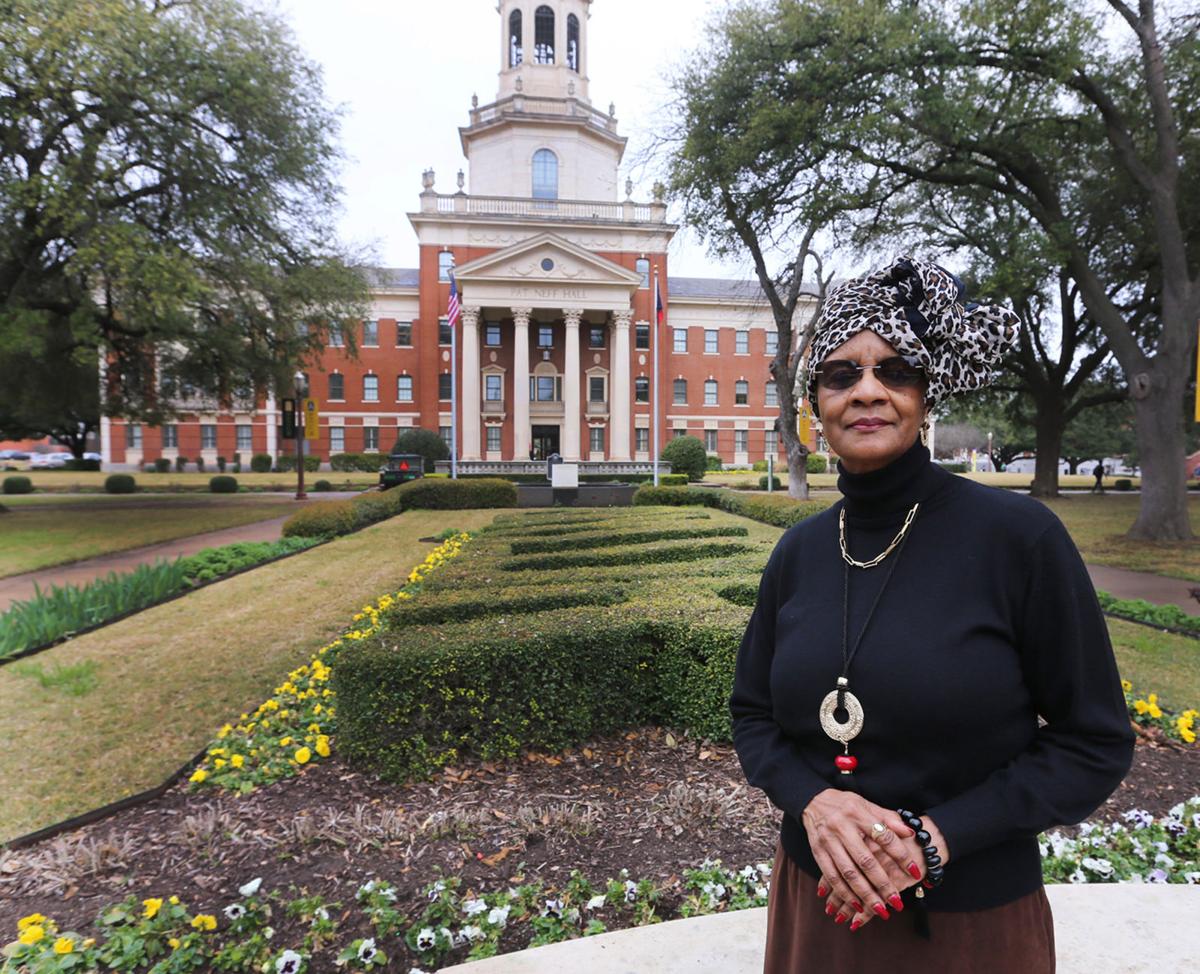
(897, 903)
(855, 925)
(821, 890)
(829, 909)
(881, 911)
(857, 906)
(914, 870)
(841, 918)
(927, 884)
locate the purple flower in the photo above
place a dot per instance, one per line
(1157, 876)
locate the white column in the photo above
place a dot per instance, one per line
(571, 397)
(618, 395)
(470, 384)
(272, 416)
(520, 405)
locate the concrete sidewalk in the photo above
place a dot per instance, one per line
(1161, 589)
(1098, 929)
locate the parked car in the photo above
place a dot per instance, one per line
(92, 456)
(48, 461)
(13, 455)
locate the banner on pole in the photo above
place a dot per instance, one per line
(312, 420)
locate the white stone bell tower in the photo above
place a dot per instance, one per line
(541, 138)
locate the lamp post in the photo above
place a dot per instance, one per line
(991, 463)
(301, 381)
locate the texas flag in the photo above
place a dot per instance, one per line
(658, 305)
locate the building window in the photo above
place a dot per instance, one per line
(545, 388)
(641, 440)
(545, 175)
(641, 389)
(596, 337)
(491, 335)
(596, 388)
(641, 337)
(403, 334)
(336, 338)
(771, 446)
(208, 436)
(739, 441)
(772, 341)
(710, 441)
(370, 388)
(245, 438)
(596, 444)
(545, 336)
(642, 266)
(680, 392)
(573, 43)
(543, 35)
(133, 436)
(337, 387)
(445, 265)
(710, 392)
(370, 439)
(370, 334)
(444, 336)
(741, 342)
(447, 435)
(337, 439)
(710, 341)
(515, 51)
(493, 439)
(741, 393)
(680, 340)
(404, 388)
(676, 433)
(170, 437)
(772, 395)
(444, 385)
(493, 388)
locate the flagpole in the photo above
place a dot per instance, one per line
(453, 403)
(654, 318)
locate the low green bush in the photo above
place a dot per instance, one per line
(372, 507)
(200, 464)
(322, 486)
(120, 483)
(714, 462)
(325, 519)
(953, 467)
(740, 594)
(1166, 616)
(1123, 483)
(642, 556)
(610, 539)
(686, 454)
(180, 464)
(221, 464)
(80, 464)
(759, 466)
(815, 463)
(672, 480)
(446, 495)
(287, 463)
(18, 485)
(776, 483)
(162, 465)
(368, 462)
(209, 564)
(261, 463)
(223, 484)
(780, 511)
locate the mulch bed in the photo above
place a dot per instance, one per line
(642, 800)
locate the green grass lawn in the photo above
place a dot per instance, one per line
(1158, 662)
(34, 536)
(115, 711)
(93, 480)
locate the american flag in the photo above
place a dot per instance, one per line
(452, 307)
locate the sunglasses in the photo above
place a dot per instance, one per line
(895, 373)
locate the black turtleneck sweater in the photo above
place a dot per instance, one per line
(989, 621)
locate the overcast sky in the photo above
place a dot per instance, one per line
(405, 71)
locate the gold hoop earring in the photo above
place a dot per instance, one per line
(925, 432)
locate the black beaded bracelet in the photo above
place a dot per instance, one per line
(934, 872)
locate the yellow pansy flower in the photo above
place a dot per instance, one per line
(33, 920)
(237, 760)
(322, 746)
(204, 921)
(31, 935)
(174, 942)
(219, 763)
(152, 905)
(285, 741)
(1126, 685)
(303, 755)
(64, 945)
(174, 901)
(198, 776)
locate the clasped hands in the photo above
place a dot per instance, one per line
(861, 873)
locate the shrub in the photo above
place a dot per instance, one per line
(120, 483)
(223, 484)
(180, 463)
(815, 463)
(954, 467)
(758, 466)
(776, 484)
(323, 486)
(18, 485)
(781, 511)
(162, 465)
(237, 463)
(1123, 483)
(325, 519)
(686, 455)
(427, 443)
(673, 480)
(74, 464)
(714, 462)
(368, 462)
(200, 464)
(261, 463)
(446, 495)
(287, 464)
(372, 507)
(221, 464)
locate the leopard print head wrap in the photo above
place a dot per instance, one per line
(918, 308)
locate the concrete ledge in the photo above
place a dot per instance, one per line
(1098, 929)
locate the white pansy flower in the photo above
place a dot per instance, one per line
(458, 939)
(630, 890)
(498, 917)
(321, 913)
(235, 911)
(1192, 878)
(472, 933)
(1077, 877)
(764, 868)
(761, 892)
(435, 889)
(366, 951)
(1139, 818)
(269, 932)
(288, 963)
(1162, 859)
(426, 939)
(1176, 811)
(553, 908)
(1161, 846)
(595, 902)
(366, 887)
(1086, 828)
(251, 887)
(473, 907)
(1196, 821)
(749, 873)
(1101, 867)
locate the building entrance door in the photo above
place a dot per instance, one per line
(544, 441)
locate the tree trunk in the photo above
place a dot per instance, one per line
(797, 460)
(1049, 422)
(1163, 514)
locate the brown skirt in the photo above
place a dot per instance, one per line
(1016, 938)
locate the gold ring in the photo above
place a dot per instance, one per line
(877, 830)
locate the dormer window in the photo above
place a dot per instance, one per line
(545, 175)
(543, 35)
(573, 43)
(515, 47)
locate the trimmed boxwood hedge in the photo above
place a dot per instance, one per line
(533, 547)
(322, 520)
(643, 556)
(120, 483)
(447, 495)
(782, 512)
(18, 485)
(223, 484)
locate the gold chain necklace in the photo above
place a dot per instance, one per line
(886, 551)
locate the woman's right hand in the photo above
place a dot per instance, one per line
(865, 875)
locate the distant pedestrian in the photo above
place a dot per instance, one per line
(1098, 487)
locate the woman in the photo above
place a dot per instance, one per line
(903, 647)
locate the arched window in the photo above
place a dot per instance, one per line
(515, 46)
(545, 175)
(543, 35)
(573, 43)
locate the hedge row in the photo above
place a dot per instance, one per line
(782, 512)
(609, 540)
(643, 556)
(1139, 610)
(476, 668)
(366, 462)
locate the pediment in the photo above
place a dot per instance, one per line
(547, 260)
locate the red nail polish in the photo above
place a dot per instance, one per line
(897, 903)
(841, 918)
(857, 906)
(829, 909)
(881, 911)
(821, 890)
(855, 925)
(914, 870)
(927, 884)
